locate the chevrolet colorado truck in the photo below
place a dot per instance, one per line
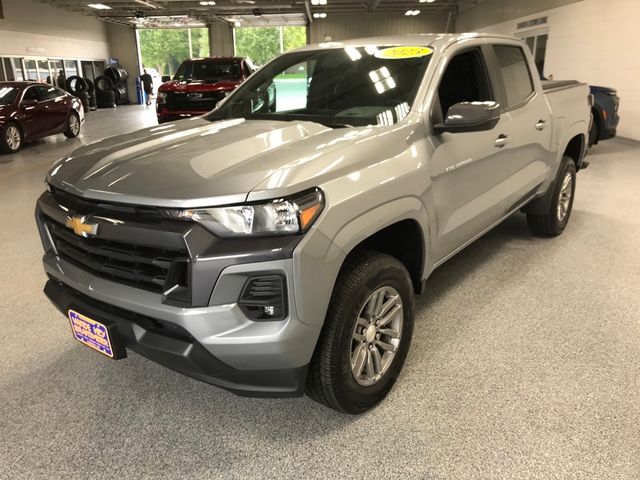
(275, 245)
(198, 85)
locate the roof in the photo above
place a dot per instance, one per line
(20, 84)
(436, 40)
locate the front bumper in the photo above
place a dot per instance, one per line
(175, 348)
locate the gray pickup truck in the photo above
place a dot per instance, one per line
(274, 246)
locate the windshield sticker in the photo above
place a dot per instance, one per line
(399, 53)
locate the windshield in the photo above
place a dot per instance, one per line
(8, 95)
(208, 70)
(352, 86)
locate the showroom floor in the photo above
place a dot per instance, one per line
(525, 363)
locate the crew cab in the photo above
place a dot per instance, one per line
(275, 245)
(198, 85)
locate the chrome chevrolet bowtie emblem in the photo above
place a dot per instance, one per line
(81, 226)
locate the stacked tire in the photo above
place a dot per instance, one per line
(78, 87)
(118, 77)
(105, 92)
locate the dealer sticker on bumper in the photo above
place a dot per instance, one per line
(93, 334)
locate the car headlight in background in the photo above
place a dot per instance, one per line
(288, 216)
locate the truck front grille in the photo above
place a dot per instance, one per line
(154, 269)
(194, 101)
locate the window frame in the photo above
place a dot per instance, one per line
(493, 86)
(505, 107)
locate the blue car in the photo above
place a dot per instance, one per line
(605, 114)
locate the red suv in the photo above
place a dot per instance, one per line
(198, 85)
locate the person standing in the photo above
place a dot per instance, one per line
(147, 86)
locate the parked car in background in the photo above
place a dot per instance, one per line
(30, 110)
(198, 85)
(605, 114)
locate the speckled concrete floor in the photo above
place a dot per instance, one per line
(525, 363)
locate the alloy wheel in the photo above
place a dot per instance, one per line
(74, 124)
(566, 191)
(13, 137)
(376, 336)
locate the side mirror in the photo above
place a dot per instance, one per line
(27, 103)
(166, 78)
(470, 117)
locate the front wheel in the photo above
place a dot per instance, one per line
(555, 220)
(73, 126)
(11, 138)
(366, 335)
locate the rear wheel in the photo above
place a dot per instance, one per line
(366, 335)
(73, 126)
(11, 139)
(593, 131)
(555, 220)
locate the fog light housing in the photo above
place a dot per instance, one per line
(264, 297)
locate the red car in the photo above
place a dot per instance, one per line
(30, 110)
(198, 85)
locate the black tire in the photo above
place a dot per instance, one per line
(76, 85)
(105, 99)
(7, 145)
(552, 223)
(330, 380)
(90, 86)
(103, 84)
(92, 101)
(595, 128)
(70, 131)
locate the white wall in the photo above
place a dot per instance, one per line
(595, 41)
(36, 29)
(123, 46)
(344, 27)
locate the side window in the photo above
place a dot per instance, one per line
(31, 94)
(464, 80)
(515, 74)
(49, 93)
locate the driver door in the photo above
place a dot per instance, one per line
(469, 170)
(32, 112)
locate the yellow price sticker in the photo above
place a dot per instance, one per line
(399, 53)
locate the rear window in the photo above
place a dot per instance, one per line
(8, 95)
(208, 71)
(515, 73)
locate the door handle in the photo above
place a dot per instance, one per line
(541, 125)
(501, 141)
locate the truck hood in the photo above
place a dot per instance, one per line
(198, 86)
(197, 163)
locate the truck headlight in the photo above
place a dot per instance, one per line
(288, 216)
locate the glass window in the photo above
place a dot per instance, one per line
(87, 70)
(43, 71)
(70, 68)
(208, 70)
(13, 69)
(48, 92)
(31, 94)
(515, 73)
(464, 80)
(539, 54)
(57, 73)
(31, 70)
(338, 87)
(8, 95)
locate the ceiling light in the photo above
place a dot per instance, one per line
(99, 6)
(409, 13)
(427, 1)
(318, 2)
(320, 15)
(207, 4)
(236, 24)
(147, 3)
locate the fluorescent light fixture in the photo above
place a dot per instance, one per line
(320, 15)
(99, 6)
(410, 13)
(318, 2)
(427, 1)
(207, 4)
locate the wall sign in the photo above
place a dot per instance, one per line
(532, 23)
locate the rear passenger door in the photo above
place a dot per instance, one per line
(57, 107)
(530, 123)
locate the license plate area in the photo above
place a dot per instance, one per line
(99, 336)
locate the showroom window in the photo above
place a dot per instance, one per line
(515, 72)
(31, 70)
(13, 69)
(261, 44)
